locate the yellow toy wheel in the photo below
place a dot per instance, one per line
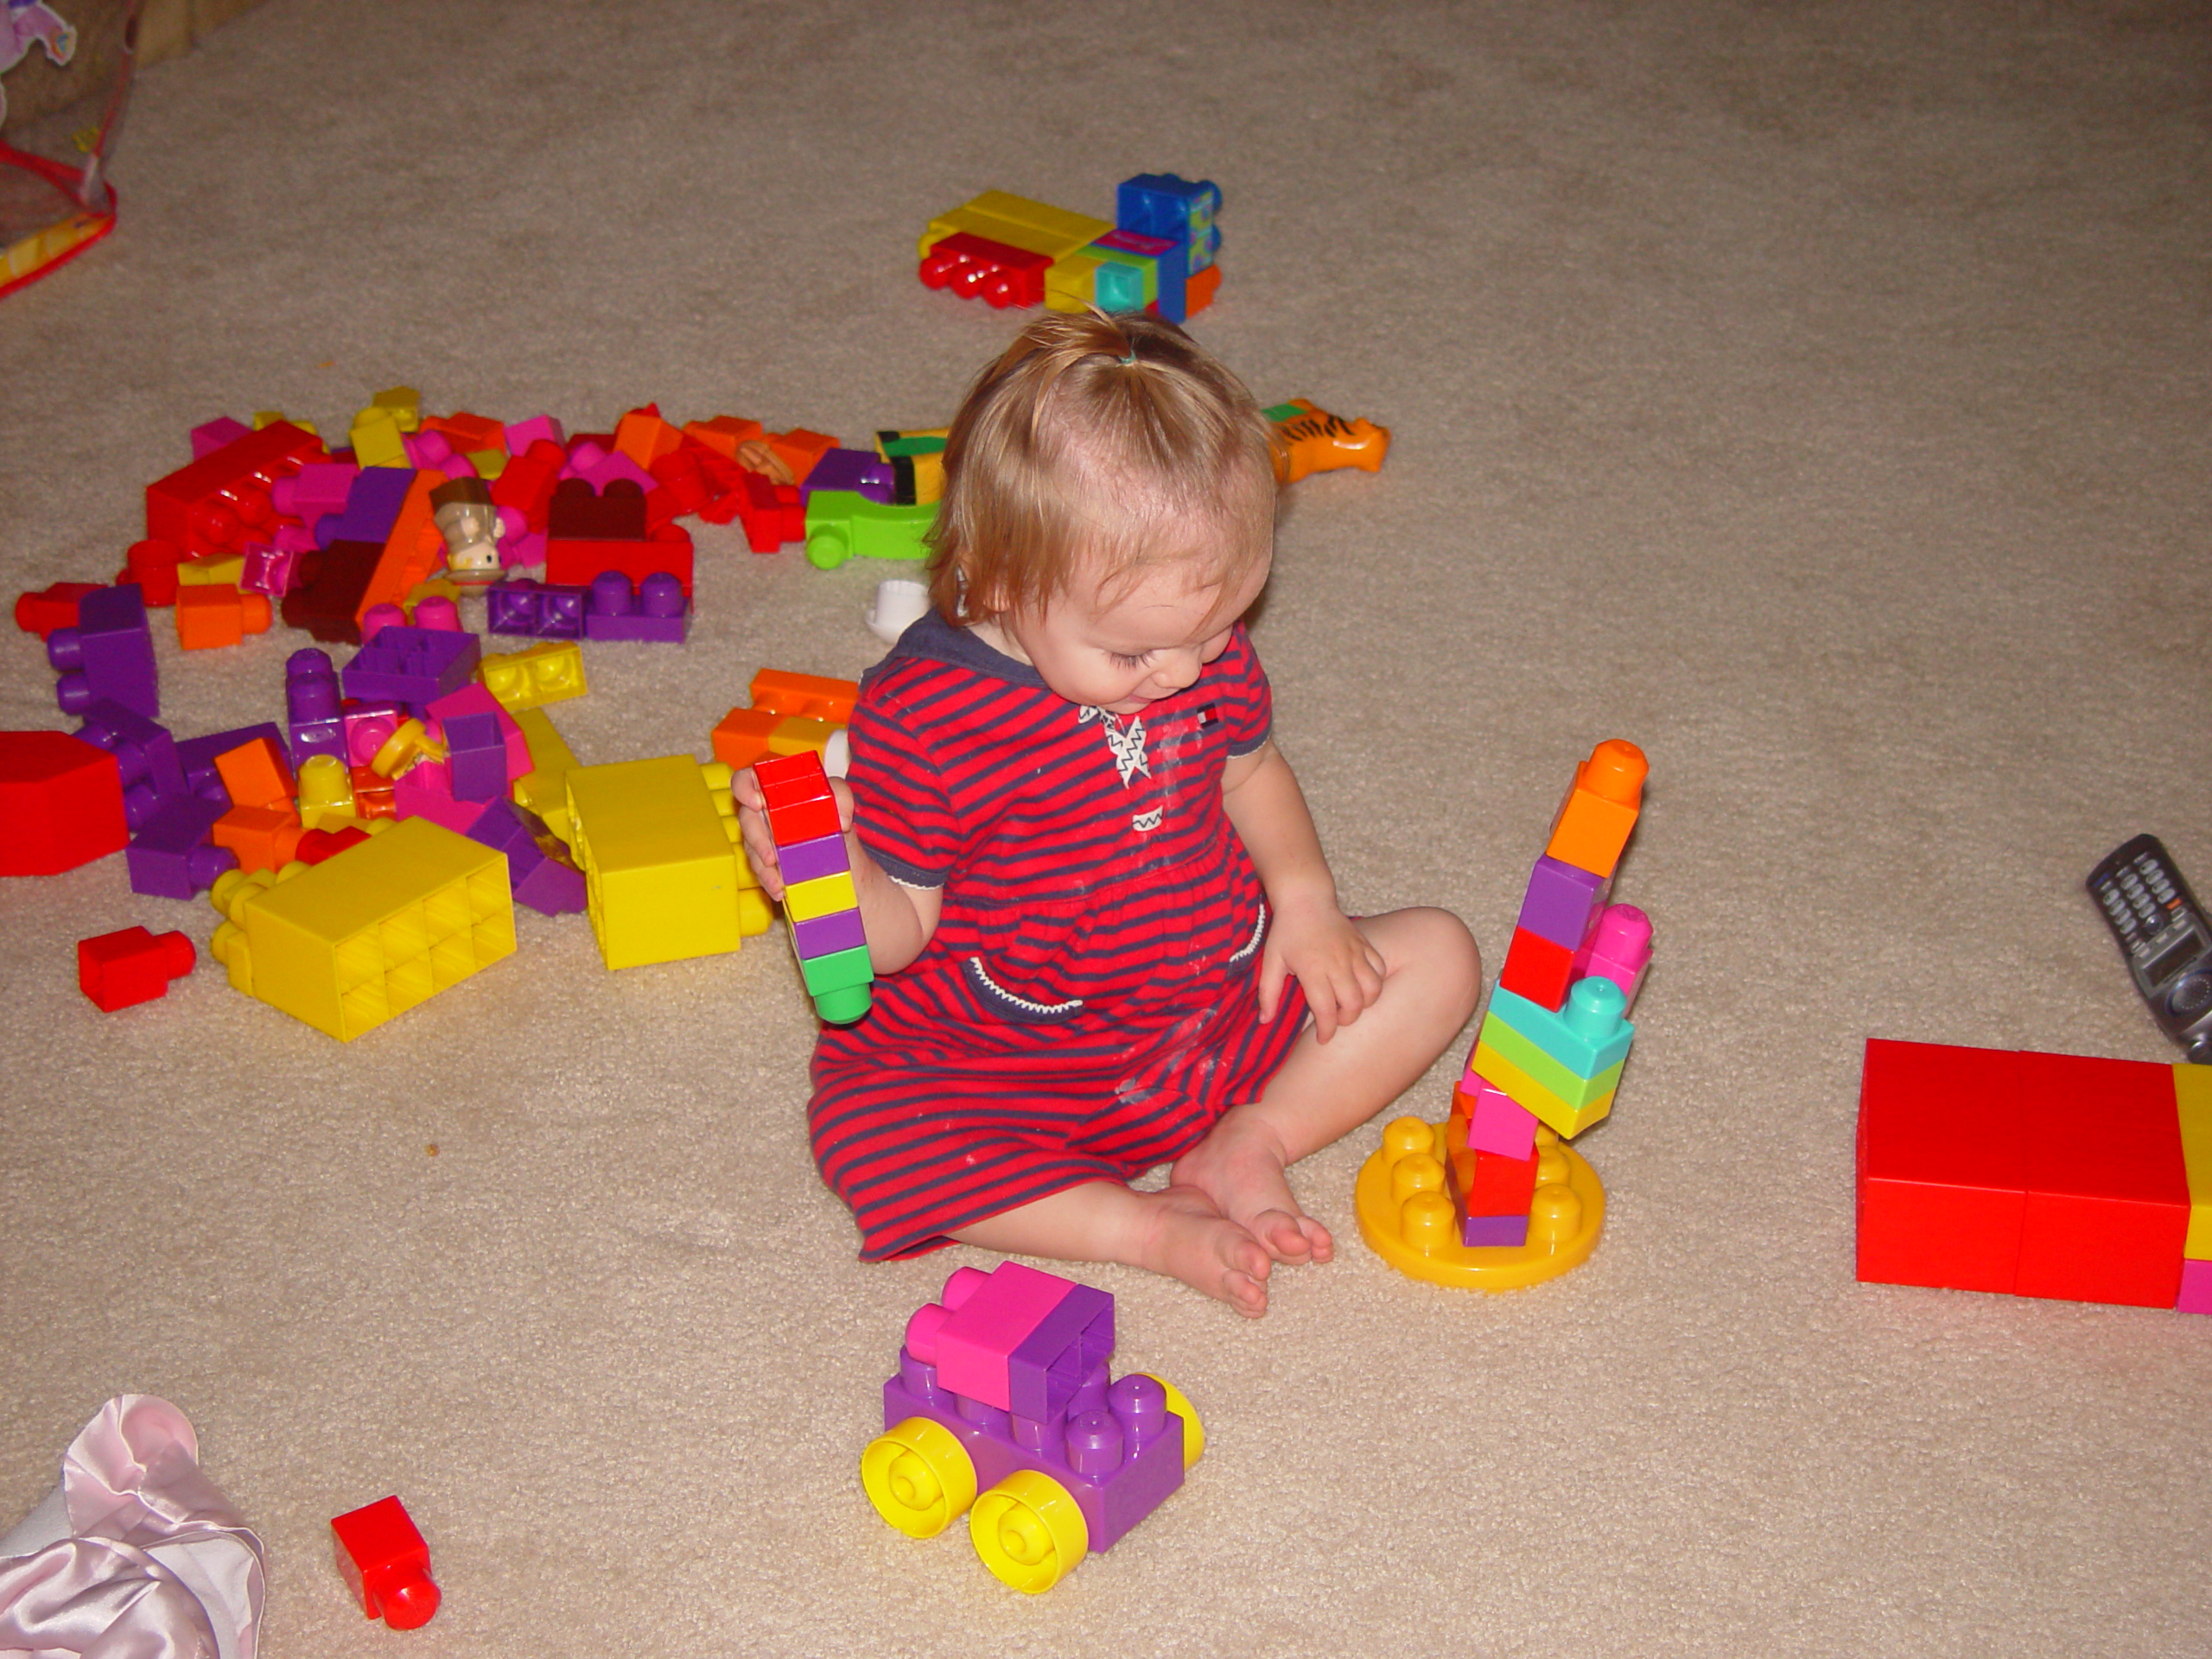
(919, 1477)
(1029, 1531)
(1194, 1434)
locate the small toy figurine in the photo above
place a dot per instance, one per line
(385, 1562)
(1002, 1389)
(465, 516)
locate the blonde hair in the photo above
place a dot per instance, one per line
(1083, 448)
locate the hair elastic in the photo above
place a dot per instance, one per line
(1130, 361)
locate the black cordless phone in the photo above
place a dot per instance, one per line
(2165, 937)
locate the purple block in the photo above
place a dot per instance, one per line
(1512, 1231)
(808, 861)
(824, 936)
(476, 756)
(2195, 1287)
(1563, 904)
(541, 881)
(535, 610)
(197, 756)
(412, 665)
(171, 856)
(862, 470)
(473, 699)
(144, 752)
(1069, 1343)
(654, 612)
(110, 653)
(371, 506)
(312, 708)
(1129, 1445)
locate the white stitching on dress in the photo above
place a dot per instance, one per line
(1258, 933)
(976, 965)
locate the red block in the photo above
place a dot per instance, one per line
(526, 483)
(54, 606)
(974, 267)
(573, 563)
(2108, 1195)
(208, 506)
(1941, 1166)
(61, 803)
(119, 970)
(1537, 969)
(1501, 1186)
(385, 1562)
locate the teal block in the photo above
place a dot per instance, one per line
(1588, 1036)
(1117, 287)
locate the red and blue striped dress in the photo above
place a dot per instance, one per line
(1088, 1006)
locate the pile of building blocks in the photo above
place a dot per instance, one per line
(1159, 256)
(2054, 1175)
(1491, 1197)
(368, 850)
(1002, 1409)
(819, 900)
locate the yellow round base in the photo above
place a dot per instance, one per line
(1405, 1215)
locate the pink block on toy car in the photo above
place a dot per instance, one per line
(1499, 1123)
(973, 1345)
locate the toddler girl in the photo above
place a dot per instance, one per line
(1106, 936)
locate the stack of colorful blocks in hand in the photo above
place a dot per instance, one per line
(2056, 1175)
(1158, 255)
(368, 851)
(1491, 1197)
(1003, 1408)
(819, 899)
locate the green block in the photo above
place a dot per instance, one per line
(1554, 1074)
(844, 523)
(838, 971)
(890, 444)
(1282, 412)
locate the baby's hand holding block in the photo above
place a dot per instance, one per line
(819, 900)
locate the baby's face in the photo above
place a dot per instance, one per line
(1125, 647)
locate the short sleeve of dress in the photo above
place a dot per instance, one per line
(901, 810)
(1242, 697)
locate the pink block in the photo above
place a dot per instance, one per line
(518, 551)
(973, 1345)
(317, 489)
(2195, 1287)
(473, 699)
(1500, 1124)
(425, 790)
(523, 434)
(207, 439)
(1620, 950)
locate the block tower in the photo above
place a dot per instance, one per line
(1490, 1197)
(819, 902)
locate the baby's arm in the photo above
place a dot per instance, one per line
(898, 919)
(1312, 938)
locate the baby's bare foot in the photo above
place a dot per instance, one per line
(1240, 1166)
(1192, 1241)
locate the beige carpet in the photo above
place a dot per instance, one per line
(1815, 395)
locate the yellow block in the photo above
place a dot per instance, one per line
(347, 943)
(1032, 226)
(544, 788)
(1068, 284)
(662, 871)
(552, 670)
(376, 438)
(212, 573)
(2193, 1102)
(1501, 1073)
(823, 896)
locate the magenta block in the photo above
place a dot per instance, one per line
(972, 1345)
(1620, 950)
(425, 790)
(213, 434)
(2195, 1287)
(522, 434)
(1499, 1123)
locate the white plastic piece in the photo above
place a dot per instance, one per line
(837, 753)
(900, 603)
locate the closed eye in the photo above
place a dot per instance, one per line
(1120, 661)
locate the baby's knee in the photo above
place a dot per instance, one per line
(1439, 947)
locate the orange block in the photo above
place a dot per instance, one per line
(264, 837)
(742, 737)
(257, 774)
(214, 614)
(645, 437)
(814, 696)
(799, 449)
(1198, 289)
(724, 432)
(1600, 808)
(413, 550)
